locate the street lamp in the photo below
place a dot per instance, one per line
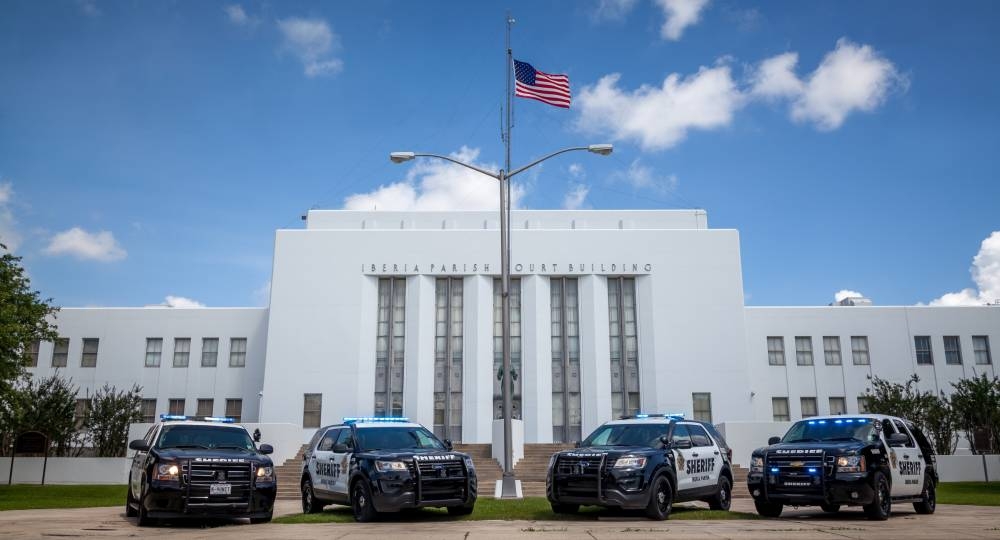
(508, 488)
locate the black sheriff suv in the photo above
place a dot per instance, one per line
(198, 467)
(867, 460)
(385, 464)
(645, 461)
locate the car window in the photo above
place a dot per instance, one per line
(887, 428)
(680, 434)
(699, 437)
(922, 441)
(151, 435)
(902, 429)
(719, 439)
(346, 438)
(326, 443)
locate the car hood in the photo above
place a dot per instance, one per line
(610, 451)
(418, 455)
(208, 455)
(806, 449)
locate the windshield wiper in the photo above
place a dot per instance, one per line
(801, 440)
(186, 446)
(228, 446)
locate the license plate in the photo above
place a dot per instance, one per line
(220, 489)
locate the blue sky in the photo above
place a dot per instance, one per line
(150, 149)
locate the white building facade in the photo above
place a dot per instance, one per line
(614, 312)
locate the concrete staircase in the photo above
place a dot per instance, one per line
(289, 473)
(488, 470)
(533, 467)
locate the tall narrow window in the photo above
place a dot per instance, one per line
(566, 407)
(808, 407)
(389, 347)
(862, 405)
(205, 407)
(238, 352)
(515, 348)
(952, 350)
(154, 348)
(175, 406)
(234, 409)
(60, 352)
(922, 345)
(804, 350)
(831, 350)
(776, 350)
(209, 352)
(89, 356)
(148, 408)
(448, 359)
(779, 409)
(859, 350)
(702, 406)
(981, 348)
(182, 352)
(312, 410)
(838, 405)
(624, 347)
(32, 354)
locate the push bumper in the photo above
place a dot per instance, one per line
(392, 492)
(626, 489)
(843, 489)
(164, 500)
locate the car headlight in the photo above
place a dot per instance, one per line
(386, 466)
(851, 464)
(265, 474)
(167, 472)
(630, 462)
(757, 464)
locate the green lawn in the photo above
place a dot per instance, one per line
(976, 493)
(528, 509)
(24, 497)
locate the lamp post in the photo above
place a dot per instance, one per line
(509, 485)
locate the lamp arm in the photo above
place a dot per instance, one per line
(537, 161)
(466, 165)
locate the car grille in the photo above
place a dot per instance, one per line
(578, 476)
(797, 474)
(440, 480)
(199, 477)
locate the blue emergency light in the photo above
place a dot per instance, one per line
(374, 419)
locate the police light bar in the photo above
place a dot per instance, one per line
(182, 418)
(676, 415)
(373, 419)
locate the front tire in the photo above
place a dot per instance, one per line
(661, 499)
(830, 508)
(723, 496)
(928, 502)
(565, 508)
(881, 507)
(310, 504)
(130, 501)
(768, 509)
(361, 502)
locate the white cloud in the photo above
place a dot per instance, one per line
(680, 14)
(88, 7)
(238, 16)
(76, 242)
(576, 170)
(611, 10)
(985, 272)
(846, 293)
(660, 117)
(314, 43)
(9, 236)
(438, 185)
(181, 302)
(575, 197)
(850, 78)
(641, 176)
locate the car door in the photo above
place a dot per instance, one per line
(706, 460)
(911, 463)
(322, 463)
(139, 463)
(341, 460)
(678, 439)
(895, 455)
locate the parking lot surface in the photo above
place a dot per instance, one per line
(950, 522)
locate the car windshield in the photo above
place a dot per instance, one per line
(397, 438)
(840, 429)
(212, 437)
(626, 435)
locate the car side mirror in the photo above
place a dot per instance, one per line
(773, 440)
(447, 445)
(681, 444)
(266, 449)
(340, 448)
(139, 445)
(899, 439)
(664, 440)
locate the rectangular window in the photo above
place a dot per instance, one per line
(234, 409)
(922, 345)
(32, 355)
(859, 350)
(952, 350)
(209, 352)
(238, 352)
(60, 352)
(390, 347)
(176, 406)
(448, 359)
(981, 348)
(154, 349)
(804, 350)
(831, 350)
(515, 347)
(89, 356)
(838, 405)
(624, 346)
(565, 330)
(808, 407)
(862, 405)
(205, 407)
(312, 410)
(80, 412)
(779, 409)
(148, 409)
(182, 352)
(702, 405)
(776, 350)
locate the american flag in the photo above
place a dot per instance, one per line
(545, 87)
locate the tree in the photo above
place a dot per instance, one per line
(110, 413)
(932, 414)
(976, 403)
(48, 406)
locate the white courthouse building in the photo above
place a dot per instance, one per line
(614, 312)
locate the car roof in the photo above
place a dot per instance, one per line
(650, 420)
(373, 425)
(842, 416)
(201, 423)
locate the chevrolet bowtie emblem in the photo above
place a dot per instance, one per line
(220, 476)
(796, 464)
